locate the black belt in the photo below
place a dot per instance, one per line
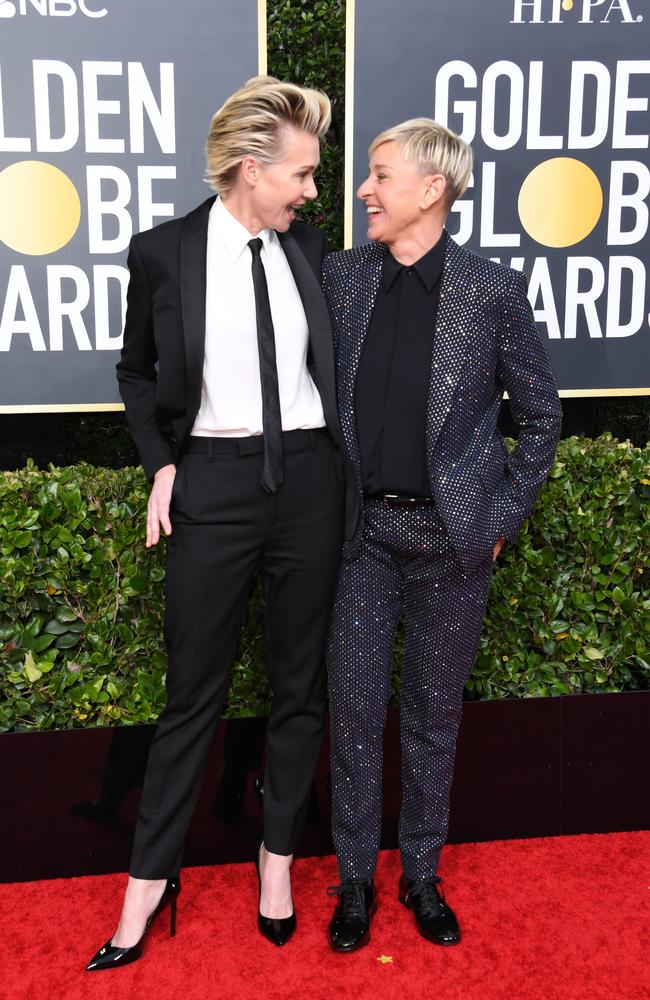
(292, 441)
(399, 499)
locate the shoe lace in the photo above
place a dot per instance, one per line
(353, 897)
(427, 893)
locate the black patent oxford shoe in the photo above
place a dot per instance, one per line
(112, 957)
(278, 930)
(435, 919)
(349, 928)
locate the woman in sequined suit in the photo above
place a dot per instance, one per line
(427, 338)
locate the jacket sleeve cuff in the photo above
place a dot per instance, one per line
(157, 460)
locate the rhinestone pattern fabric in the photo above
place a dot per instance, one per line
(433, 563)
(405, 562)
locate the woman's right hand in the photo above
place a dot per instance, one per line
(158, 505)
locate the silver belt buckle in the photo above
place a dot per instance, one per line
(397, 500)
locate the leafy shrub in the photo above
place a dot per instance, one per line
(569, 612)
(306, 44)
(81, 599)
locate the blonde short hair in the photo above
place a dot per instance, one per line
(252, 123)
(434, 149)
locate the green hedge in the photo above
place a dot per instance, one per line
(306, 44)
(81, 599)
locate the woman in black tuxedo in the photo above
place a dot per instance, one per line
(227, 376)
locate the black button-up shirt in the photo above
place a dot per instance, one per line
(392, 387)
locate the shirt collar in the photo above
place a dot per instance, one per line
(232, 234)
(428, 268)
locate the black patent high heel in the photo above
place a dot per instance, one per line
(111, 957)
(276, 929)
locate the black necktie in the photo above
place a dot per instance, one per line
(273, 472)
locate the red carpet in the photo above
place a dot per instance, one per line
(563, 918)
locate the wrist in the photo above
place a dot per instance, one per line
(164, 472)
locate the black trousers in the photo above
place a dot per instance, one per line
(223, 527)
(406, 566)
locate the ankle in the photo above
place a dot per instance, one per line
(144, 886)
(277, 861)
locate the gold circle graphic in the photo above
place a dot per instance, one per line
(560, 202)
(39, 207)
(567, 4)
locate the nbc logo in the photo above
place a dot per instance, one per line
(50, 8)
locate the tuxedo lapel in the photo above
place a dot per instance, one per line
(194, 246)
(456, 309)
(355, 321)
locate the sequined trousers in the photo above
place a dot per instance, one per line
(406, 567)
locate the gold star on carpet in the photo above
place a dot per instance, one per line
(385, 959)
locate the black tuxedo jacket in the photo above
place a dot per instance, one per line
(485, 342)
(161, 367)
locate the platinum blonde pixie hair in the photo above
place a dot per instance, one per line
(434, 149)
(252, 122)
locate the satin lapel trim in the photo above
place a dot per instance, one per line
(456, 310)
(355, 321)
(194, 248)
(320, 332)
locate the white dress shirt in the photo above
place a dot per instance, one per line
(231, 395)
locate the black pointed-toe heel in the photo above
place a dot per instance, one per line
(112, 957)
(278, 930)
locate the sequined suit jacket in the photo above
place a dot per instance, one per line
(485, 342)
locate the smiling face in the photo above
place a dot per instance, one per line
(278, 189)
(396, 195)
